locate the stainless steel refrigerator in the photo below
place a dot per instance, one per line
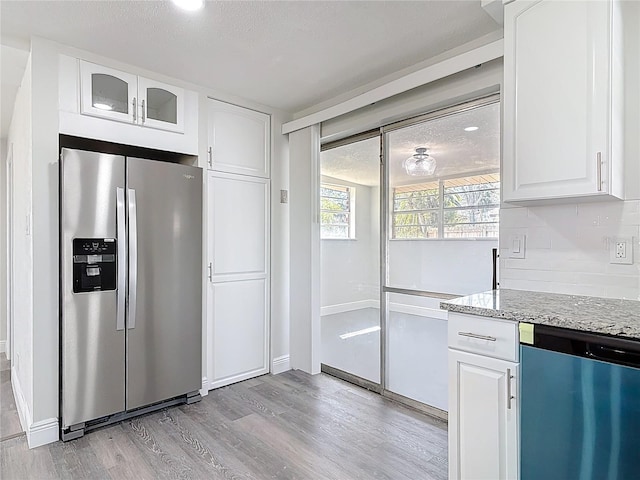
(131, 287)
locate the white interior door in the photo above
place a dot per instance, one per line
(238, 300)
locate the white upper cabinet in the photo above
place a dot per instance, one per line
(562, 101)
(239, 140)
(121, 96)
(161, 105)
(108, 93)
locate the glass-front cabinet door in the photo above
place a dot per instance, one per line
(108, 93)
(161, 105)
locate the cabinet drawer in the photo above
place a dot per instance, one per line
(486, 336)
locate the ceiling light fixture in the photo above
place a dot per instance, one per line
(420, 164)
(471, 129)
(103, 106)
(189, 5)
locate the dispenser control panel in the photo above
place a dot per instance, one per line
(94, 264)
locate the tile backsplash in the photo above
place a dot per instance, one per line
(567, 248)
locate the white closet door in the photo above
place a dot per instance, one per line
(240, 333)
(239, 226)
(238, 300)
(239, 140)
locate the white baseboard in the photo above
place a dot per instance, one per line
(348, 307)
(38, 433)
(281, 364)
(418, 311)
(3, 346)
(43, 432)
(204, 391)
(223, 382)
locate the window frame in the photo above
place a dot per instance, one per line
(351, 193)
(441, 210)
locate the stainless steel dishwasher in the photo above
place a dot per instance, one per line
(580, 406)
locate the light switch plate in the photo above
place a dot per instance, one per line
(621, 250)
(517, 245)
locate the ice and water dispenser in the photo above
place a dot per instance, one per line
(94, 264)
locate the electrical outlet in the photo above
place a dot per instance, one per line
(621, 250)
(284, 196)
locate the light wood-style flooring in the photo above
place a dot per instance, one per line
(287, 426)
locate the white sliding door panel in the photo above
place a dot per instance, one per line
(240, 331)
(239, 226)
(238, 139)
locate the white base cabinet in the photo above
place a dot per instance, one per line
(483, 417)
(563, 107)
(483, 398)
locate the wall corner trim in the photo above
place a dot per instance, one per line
(38, 433)
(21, 403)
(204, 391)
(280, 364)
(43, 432)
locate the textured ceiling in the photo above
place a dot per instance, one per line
(287, 55)
(456, 151)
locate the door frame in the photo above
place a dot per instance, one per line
(9, 254)
(385, 219)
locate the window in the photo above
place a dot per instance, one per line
(336, 211)
(464, 207)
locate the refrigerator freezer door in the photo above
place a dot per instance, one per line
(164, 346)
(93, 349)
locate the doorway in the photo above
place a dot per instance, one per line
(409, 217)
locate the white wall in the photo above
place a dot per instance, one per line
(279, 240)
(44, 184)
(19, 139)
(349, 269)
(443, 266)
(567, 248)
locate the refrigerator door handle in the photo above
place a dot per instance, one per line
(133, 258)
(122, 258)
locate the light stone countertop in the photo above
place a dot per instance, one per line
(590, 314)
